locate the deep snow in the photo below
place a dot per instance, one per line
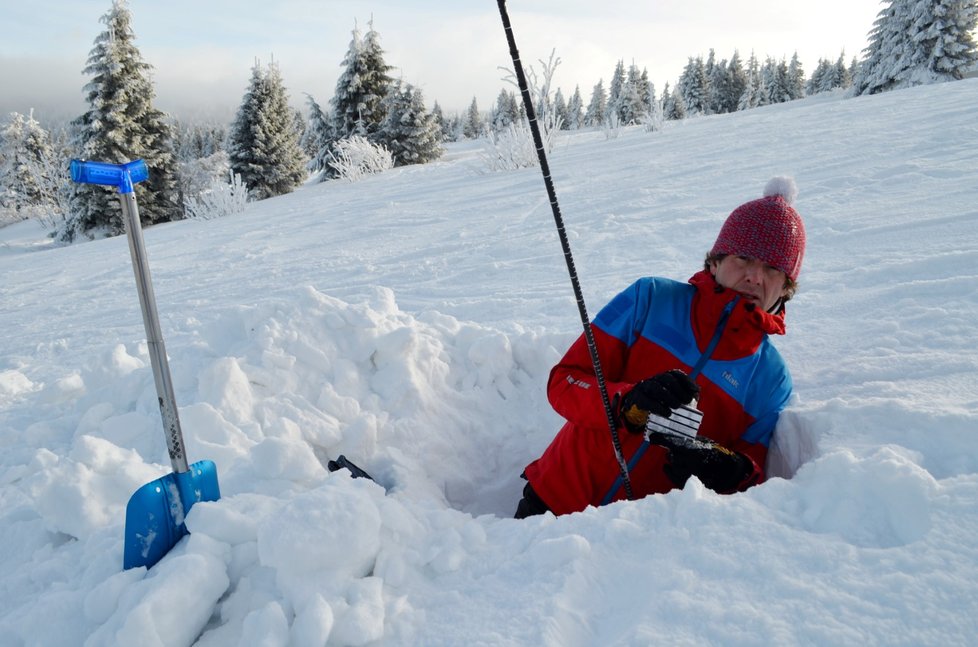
(410, 321)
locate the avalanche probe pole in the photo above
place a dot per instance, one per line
(558, 219)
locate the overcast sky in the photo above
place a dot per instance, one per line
(202, 51)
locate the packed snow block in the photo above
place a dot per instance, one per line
(300, 542)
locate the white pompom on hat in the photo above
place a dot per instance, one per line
(768, 229)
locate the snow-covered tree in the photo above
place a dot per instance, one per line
(694, 86)
(674, 107)
(774, 82)
(828, 76)
(34, 177)
(25, 154)
(915, 42)
(843, 73)
(448, 126)
(795, 79)
(633, 103)
(736, 83)
(575, 110)
(318, 137)
(506, 111)
(751, 96)
(616, 91)
(822, 78)
(197, 140)
(560, 110)
(597, 107)
(409, 131)
(263, 144)
(357, 104)
(121, 125)
(473, 124)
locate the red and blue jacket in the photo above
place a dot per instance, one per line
(653, 326)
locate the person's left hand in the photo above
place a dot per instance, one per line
(720, 469)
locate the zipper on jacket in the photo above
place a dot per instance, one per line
(697, 369)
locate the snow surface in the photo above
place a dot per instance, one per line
(410, 321)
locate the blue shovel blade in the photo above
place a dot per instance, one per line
(155, 513)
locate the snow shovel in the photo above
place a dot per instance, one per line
(156, 511)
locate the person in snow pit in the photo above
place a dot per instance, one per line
(664, 344)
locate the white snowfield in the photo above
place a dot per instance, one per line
(410, 320)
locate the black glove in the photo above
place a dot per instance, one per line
(659, 394)
(720, 469)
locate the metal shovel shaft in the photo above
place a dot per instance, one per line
(154, 334)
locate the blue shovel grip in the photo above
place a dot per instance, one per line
(123, 176)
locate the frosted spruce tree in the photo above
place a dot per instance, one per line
(916, 42)
(751, 96)
(472, 125)
(26, 167)
(575, 110)
(560, 109)
(775, 82)
(263, 145)
(795, 79)
(614, 109)
(121, 125)
(505, 112)
(318, 137)
(633, 103)
(694, 86)
(734, 84)
(409, 131)
(357, 105)
(597, 106)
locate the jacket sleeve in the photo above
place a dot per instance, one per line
(573, 386)
(756, 454)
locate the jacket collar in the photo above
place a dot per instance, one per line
(747, 325)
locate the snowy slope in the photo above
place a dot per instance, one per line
(410, 321)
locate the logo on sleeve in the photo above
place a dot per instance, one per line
(580, 383)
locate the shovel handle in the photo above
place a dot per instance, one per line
(124, 176)
(154, 334)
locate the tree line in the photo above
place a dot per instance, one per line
(270, 148)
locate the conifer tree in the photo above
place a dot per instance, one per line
(914, 42)
(560, 110)
(633, 102)
(751, 96)
(318, 138)
(843, 73)
(795, 79)
(25, 155)
(694, 87)
(714, 82)
(357, 104)
(439, 116)
(675, 107)
(409, 131)
(122, 125)
(263, 144)
(507, 111)
(614, 108)
(575, 110)
(597, 107)
(736, 84)
(472, 126)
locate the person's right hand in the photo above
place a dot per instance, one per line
(659, 394)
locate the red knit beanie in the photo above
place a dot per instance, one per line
(768, 229)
